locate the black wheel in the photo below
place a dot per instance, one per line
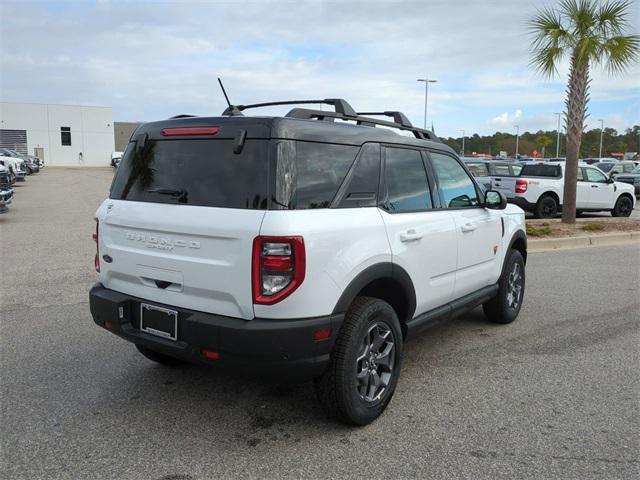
(623, 207)
(159, 357)
(365, 363)
(547, 207)
(505, 306)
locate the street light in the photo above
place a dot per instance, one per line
(462, 142)
(601, 131)
(426, 81)
(559, 114)
(517, 139)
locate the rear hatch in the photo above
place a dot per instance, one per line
(183, 212)
(503, 178)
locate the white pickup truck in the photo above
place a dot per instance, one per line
(539, 190)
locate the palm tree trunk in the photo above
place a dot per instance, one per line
(576, 106)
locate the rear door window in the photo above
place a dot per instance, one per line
(406, 181)
(500, 170)
(194, 172)
(478, 169)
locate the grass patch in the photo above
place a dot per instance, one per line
(592, 227)
(538, 231)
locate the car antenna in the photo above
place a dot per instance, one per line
(232, 110)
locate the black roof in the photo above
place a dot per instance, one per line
(344, 126)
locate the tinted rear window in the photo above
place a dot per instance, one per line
(552, 171)
(308, 174)
(194, 172)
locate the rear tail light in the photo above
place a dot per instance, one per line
(96, 260)
(521, 186)
(278, 267)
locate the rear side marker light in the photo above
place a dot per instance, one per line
(96, 259)
(521, 186)
(189, 131)
(277, 268)
(324, 334)
(210, 354)
(108, 325)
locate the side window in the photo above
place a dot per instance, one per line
(627, 167)
(454, 184)
(478, 169)
(406, 180)
(500, 170)
(594, 175)
(360, 188)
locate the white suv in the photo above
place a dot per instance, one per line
(299, 247)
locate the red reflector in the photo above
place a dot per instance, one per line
(323, 334)
(272, 262)
(108, 325)
(189, 131)
(209, 354)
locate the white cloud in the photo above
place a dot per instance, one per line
(507, 120)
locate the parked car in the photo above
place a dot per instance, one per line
(479, 171)
(632, 178)
(299, 248)
(16, 167)
(115, 159)
(6, 192)
(615, 168)
(540, 189)
(32, 164)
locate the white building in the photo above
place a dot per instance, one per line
(65, 135)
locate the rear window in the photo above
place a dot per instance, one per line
(308, 174)
(194, 172)
(552, 171)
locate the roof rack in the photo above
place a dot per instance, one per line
(343, 111)
(182, 115)
(403, 124)
(341, 106)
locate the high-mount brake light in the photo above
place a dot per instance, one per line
(189, 131)
(96, 260)
(278, 268)
(521, 186)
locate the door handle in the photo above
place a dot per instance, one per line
(594, 186)
(410, 236)
(468, 227)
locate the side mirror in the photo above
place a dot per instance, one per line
(495, 200)
(611, 180)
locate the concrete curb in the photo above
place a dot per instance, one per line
(562, 243)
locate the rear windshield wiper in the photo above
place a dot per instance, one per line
(180, 195)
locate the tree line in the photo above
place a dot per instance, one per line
(612, 141)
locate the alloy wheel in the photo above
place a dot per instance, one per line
(375, 362)
(514, 286)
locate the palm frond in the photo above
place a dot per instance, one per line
(620, 52)
(612, 17)
(581, 14)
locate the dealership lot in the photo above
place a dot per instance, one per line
(553, 395)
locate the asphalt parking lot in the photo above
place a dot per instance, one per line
(554, 395)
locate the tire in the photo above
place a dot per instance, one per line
(547, 207)
(623, 207)
(349, 390)
(158, 357)
(504, 308)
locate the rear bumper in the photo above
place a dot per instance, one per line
(523, 203)
(283, 350)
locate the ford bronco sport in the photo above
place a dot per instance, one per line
(306, 247)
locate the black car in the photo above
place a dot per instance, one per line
(632, 178)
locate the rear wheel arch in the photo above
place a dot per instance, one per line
(519, 242)
(385, 281)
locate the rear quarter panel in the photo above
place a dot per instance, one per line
(339, 244)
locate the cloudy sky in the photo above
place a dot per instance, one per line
(151, 60)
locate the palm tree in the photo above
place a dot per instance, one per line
(588, 33)
(543, 142)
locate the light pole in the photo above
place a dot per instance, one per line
(517, 139)
(559, 114)
(601, 131)
(462, 142)
(426, 81)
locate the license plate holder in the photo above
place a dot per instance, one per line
(159, 321)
